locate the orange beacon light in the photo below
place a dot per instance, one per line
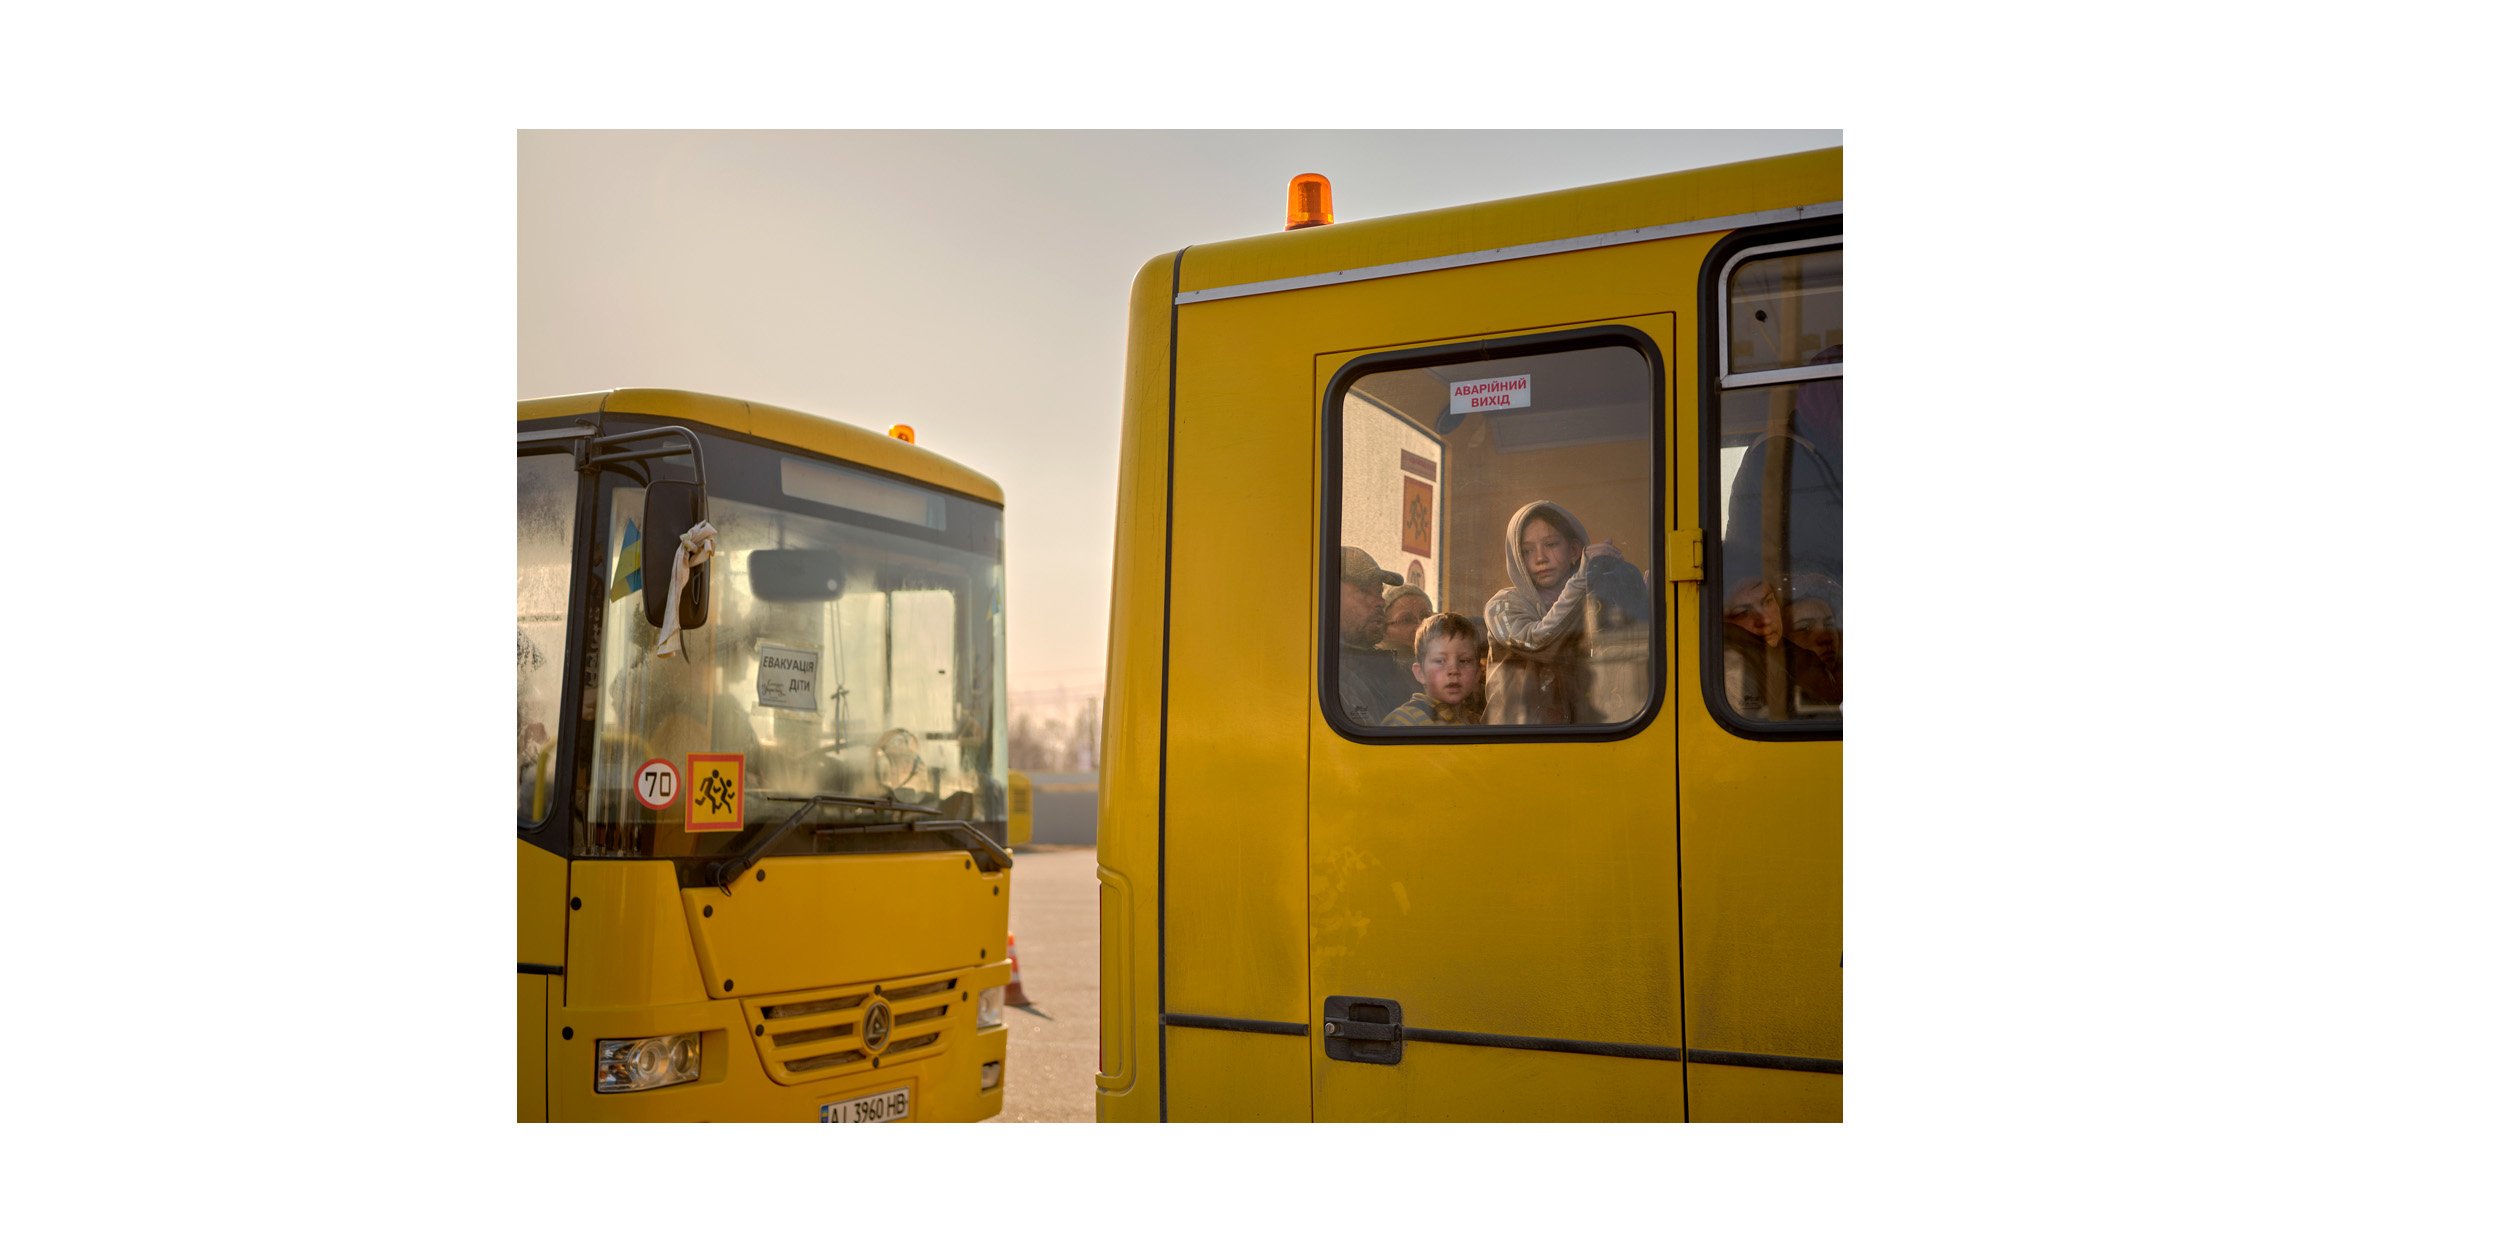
(1307, 202)
(903, 432)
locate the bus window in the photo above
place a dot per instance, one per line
(1517, 488)
(548, 488)
(1776, 594)
(851, 651)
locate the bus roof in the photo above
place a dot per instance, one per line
(1693, 195)
(803, 430)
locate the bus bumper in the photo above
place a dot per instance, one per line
(943, 1081)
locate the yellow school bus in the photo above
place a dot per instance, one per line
(762, 788)
(1593, 872)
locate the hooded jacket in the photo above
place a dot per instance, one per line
(1539, 670)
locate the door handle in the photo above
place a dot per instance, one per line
(1363, 1030)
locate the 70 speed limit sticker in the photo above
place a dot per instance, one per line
(655, 787)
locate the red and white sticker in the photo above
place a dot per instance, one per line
(655, 787)
(1490, 394)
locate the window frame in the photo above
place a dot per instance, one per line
(553, 831)
(1822, 234)
(1328, 557)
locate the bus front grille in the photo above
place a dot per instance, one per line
(816, 1034)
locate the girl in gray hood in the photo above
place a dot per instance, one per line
(1539, 625)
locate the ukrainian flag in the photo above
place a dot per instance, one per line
(628, 564)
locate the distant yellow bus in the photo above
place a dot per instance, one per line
(763, 801)
(1593, 872)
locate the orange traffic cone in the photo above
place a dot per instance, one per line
(1015, 977)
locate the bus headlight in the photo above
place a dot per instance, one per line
(993, 1008)
(625, 1064)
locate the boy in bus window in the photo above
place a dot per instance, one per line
(1539, 625)
(1370, 682)
(1449, 652)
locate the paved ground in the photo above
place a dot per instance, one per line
(1053, 910)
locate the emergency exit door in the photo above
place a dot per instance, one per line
(1494, 929)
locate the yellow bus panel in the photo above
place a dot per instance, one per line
(1128, 824)
(866, 916)
(629, 943)
(781, 425)
(541, 876)
(1763, 1095)
(1490, 1084)
(1636, 924)
(1238, 1078)
(531, 1013)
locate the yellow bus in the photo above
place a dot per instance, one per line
(762, 788)
(1578, 856)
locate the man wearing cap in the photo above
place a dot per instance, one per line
(1370, 682)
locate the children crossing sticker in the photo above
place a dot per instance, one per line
(716, 797)
(655, 787)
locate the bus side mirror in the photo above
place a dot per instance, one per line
(669, 509)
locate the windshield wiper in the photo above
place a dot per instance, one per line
(992, 856)
(728, 870)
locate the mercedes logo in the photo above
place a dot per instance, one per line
(880, 1021)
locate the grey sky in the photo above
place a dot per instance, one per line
(971, 284)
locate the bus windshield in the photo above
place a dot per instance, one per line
(853, 647)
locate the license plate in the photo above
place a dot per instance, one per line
(876, 1108)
